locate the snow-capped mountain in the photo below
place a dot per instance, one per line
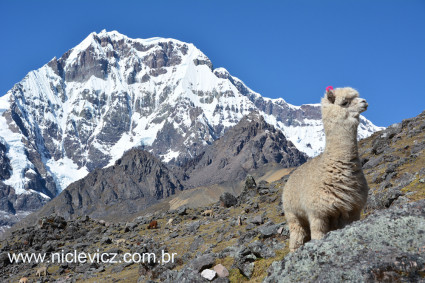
(111, 93)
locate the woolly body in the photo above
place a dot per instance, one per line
(329, 191)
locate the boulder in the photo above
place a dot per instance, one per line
(208, 274)
(202, 262)
(387, 246)
(221, 270)
(228, 200)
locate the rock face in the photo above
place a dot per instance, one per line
(110, 93)
(250, 145)
(10, 201)
(5, 167)
(385, 247)
(137, 180)
(13, 206)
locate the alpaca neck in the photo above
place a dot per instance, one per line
(341, 144)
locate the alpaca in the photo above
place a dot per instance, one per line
(120, 242)
(330, 190)
(208, 213)
(170, 222)
(23, 280)
(153, 225)
(41, 270)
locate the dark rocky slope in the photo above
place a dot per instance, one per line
(137, 180)
(249, 146)
(394, 163)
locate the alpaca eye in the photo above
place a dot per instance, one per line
(345, 103)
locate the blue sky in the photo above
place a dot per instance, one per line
(289, 49)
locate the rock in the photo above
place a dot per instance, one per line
(249, 190)
(221, 280)
(130, 226)
(283, 230)
(247, 237)
(4, 260)
(105, 241)
(250, 226)
(246, 269)
(82, 268)
(387, 246)
(250, 183)
(244, 261)
(182, 211)
(268, 230)
(202, 262)
(197, 242)
(263, 185)
(173, 235)
(257, 220)
(228, 200)
(219, 238)
(208, 274)
(193, 226)
(221, 270)
(48, 247)
(261, 250)
(184, 275)
(52, 221)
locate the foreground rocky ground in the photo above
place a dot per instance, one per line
(244, 240)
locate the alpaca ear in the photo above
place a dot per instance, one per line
(330, 96)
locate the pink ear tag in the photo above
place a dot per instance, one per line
(329, 88)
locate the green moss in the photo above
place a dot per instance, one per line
(261, 265)
(236, 276)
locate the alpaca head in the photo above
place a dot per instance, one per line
(342, 107)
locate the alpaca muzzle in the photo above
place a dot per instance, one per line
(363, 105)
